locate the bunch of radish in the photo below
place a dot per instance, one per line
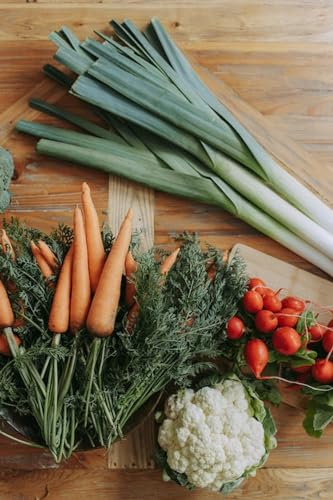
(273, 326)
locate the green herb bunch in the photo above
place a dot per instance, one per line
(179, 329)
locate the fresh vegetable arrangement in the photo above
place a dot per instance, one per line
(164, 128)
(92, 329)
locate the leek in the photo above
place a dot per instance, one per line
(200, 189)
(238, 178)
(169, 131)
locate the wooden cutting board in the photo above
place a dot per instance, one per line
(278, 273)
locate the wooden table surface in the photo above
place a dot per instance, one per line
(278, 56)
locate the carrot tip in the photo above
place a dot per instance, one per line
(129, 214)
(85, 188)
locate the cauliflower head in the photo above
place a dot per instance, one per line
(213, 436)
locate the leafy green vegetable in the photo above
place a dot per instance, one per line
(319, 413)
(301, 358)
(305, 322)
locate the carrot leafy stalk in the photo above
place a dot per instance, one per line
(103, 311)
(48, 255)
(96, 253)
(131, 268)
(6, 244)
(59, 314)
(44, 267)
(28, 372)
(104, 307)
(80, 293)
(134, 311)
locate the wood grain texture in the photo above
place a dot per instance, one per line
(124, 195)
(279, 484)
(278, 57)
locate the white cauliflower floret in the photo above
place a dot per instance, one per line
(176, 402)
(191, 415)
(210, 401)
(210, 435)
(182, 435)
(166, 434)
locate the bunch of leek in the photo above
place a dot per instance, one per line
(165, 129)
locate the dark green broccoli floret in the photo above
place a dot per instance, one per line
(6, 173)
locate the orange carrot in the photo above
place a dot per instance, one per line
(211, 271)
(132, 316)
(45, 269)
(48, 255)
(59, 314)
(96, 253)
(6, 244)
(6, 311)
(80, 293)
(4, 346)
(104, 307)
(169, 261)
(131, 267)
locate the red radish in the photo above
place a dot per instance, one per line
(254, 282)
(322, 371)
(235, 328)
(272, 303)
(287, 317)
(301, 369)
(252, 301)
(330, 324)
(294, 303)
(328, 341)
(317, 332)
(286, 341)
(256, 356)
(258, 285)
(266, 321)
(264, 291)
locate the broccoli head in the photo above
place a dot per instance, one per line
(6, 173)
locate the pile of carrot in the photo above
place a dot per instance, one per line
(89, 284)
(88, 287)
